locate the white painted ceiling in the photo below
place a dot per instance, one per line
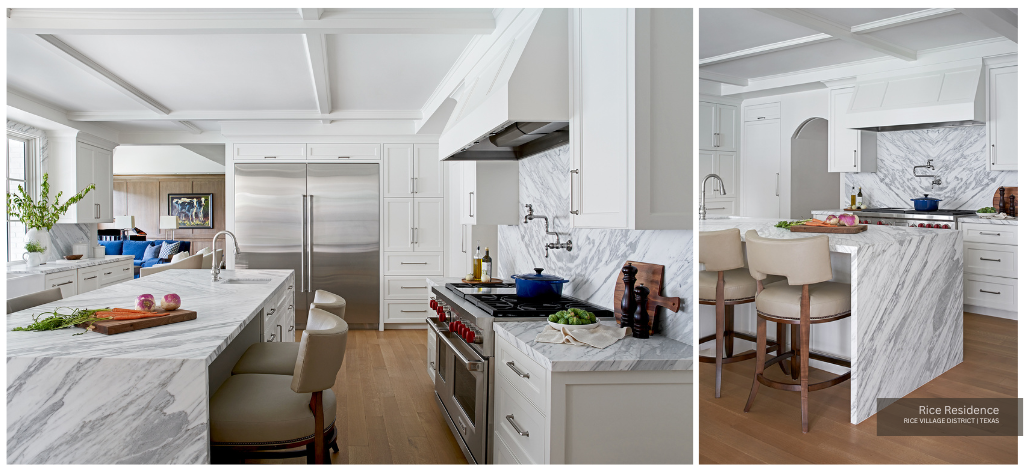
(204, 66)
(728, 35)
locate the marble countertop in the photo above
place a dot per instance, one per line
(53, 267)
(656, 353)
(223, 310)
(875, 235)
(988, 221)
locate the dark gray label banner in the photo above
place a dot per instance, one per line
(949, 417)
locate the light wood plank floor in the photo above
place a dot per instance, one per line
(771, 434)
(386, 408)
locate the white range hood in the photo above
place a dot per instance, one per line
(518, 103)
(936, 96)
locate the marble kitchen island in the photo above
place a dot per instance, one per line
(140, 397)
(906, 325)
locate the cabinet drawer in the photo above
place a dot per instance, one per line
(721, 207)
(523, 373)
(512, 411)
(88, 279)
(502, 453)
(992, 292)
(983, 233)
(116, 272)
(764, 111)
(270, 151)
(406, 288)
(343, 152)
(406, 312)
(990, 259)
(413, 263)
(67, 281)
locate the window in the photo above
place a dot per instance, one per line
(19, 172)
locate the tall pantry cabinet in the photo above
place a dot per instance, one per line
(762, 160)
(718, 138)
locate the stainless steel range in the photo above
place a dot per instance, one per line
(939, 219)
(464, 373)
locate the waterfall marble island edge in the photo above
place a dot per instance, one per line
(906, 324)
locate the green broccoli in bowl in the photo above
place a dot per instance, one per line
(987, 210)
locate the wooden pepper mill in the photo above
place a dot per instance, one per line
(641, 320)
(1002, 206)
(628, 303)
(1011, 210)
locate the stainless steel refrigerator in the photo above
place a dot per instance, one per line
(320, 220)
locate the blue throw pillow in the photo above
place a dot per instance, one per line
(151, 252)
(113, 248)
(169, 249)
(136, 248)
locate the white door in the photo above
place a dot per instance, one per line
(468, 194)
(844, 146)
(398, 224)
(761, 168)
(706, 127)
(727, 167)
(398, 170)
(726, 117)
(1002, 115)
(103, 177)
(429, 224)
(429, 173)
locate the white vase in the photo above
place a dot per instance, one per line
(32, 259)
(41, 236)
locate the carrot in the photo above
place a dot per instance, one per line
(128, 310)
(118, 316)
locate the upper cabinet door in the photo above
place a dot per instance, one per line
(706, 126)
(86, 210)
(399, 170)
(467, 198)
(429, 228)
(726, 118)
(727, 167)
(429, 175)
(843, 142)
(103, 177)
(343, 152)
(257, 151)
(1002, 118)
(399, 222)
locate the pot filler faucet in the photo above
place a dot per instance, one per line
(936, 180)
(558, 244)
(215, 270)
(703, 188)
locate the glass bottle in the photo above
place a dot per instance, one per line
(477, 262)
(485, 266)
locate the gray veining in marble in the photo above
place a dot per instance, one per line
(136, 397)
(907, 305)
(53, 267)
(655, 353)
(989, 221)
(594, 264)
(959, 156)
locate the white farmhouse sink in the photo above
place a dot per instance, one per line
(23, 284)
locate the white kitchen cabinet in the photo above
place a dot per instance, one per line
(76, 161)
(413, 224)
(1002, 118)
(631, 137)
(726, 166)
(406, 312)
(88, 279)
(67, 281)
(343, 151)
(412, 170)
(762, 111)
(269, 151)
(399, 223)
(849, 150)
(762, 168)
(489, 193)
(116, 272)
(428, 172)
(990, 269)
(717, 127)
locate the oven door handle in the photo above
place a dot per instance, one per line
(473, 366)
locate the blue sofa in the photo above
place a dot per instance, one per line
(138, 249)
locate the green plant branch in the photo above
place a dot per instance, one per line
(41, 214)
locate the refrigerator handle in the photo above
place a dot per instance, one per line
(302, 266)
(309, 255)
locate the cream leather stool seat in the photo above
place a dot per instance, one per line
(739, 284)
(782, 300)
(329, 302)
(262, 409)
(268, 358)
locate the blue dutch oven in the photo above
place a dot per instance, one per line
(538, 285)
(926, 204)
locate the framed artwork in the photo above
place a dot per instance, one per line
(193, 210)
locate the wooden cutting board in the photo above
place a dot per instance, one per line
(124, 326)
(1006, 198)
(651, 275)
(829, 229)
(492, 281)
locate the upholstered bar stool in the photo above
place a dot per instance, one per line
(272, 416)
(724, 283)
(278, 357)
(808, 298)
(328, 301)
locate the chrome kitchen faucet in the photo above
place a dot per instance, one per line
(703, 186)
(558, 244)
(215, 270)
(936, 180)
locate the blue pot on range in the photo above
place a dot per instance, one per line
(926, 203)
(538, 285)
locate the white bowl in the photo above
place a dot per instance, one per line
(984, 214)
(586, 326)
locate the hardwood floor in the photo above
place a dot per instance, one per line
(771, 434)
(386, 408)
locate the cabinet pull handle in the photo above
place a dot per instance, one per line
(991, 260)
(521, 374)
(271, 312)
(422, 286)
(718, 208)
(512, 421)
(776, 184)
(126, 269)
(280, 331)
(472, 197)
(270, 157)
(986, 291)
(291, 328)
(344, 157)
(412, 236)
(90, 278)
(462, 244)
(105, 273)
(273, 336)
(760, 117)
(855, 158)
(989, 234)
(572, 204)
(414, 311)
(424, 263)
(415, 235)
(65, 283)
(432, 364)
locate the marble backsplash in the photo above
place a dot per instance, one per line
(959, 156)
(594, 264)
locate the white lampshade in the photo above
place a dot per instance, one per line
(124, 222)
(168, 222)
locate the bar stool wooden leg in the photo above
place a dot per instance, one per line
(795, 360)
(719, 331)
(728, 329)
(780, 339)
(762, 341)
(805, 353)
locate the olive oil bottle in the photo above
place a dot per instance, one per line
(477, 262)
(485, 266)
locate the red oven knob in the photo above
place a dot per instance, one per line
(878, 223)
(451, 326)
(441, 316)
(867, 222)
(433, 304)
(929, 225)
(945, 226)
(471, 337)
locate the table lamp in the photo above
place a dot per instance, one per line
(169, 222)
(124, 223)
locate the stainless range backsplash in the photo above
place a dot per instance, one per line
(597, 256)
(959, 156)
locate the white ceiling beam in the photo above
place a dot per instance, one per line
(311, 13)
(37, 21)
(1000, 20)
(723, 78)
(316, 55)
(902, 20)
(90, 66)
(191, 127)
(243, 115)
(767, 48)
(841, 32)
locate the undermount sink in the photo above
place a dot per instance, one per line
(245, 281)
